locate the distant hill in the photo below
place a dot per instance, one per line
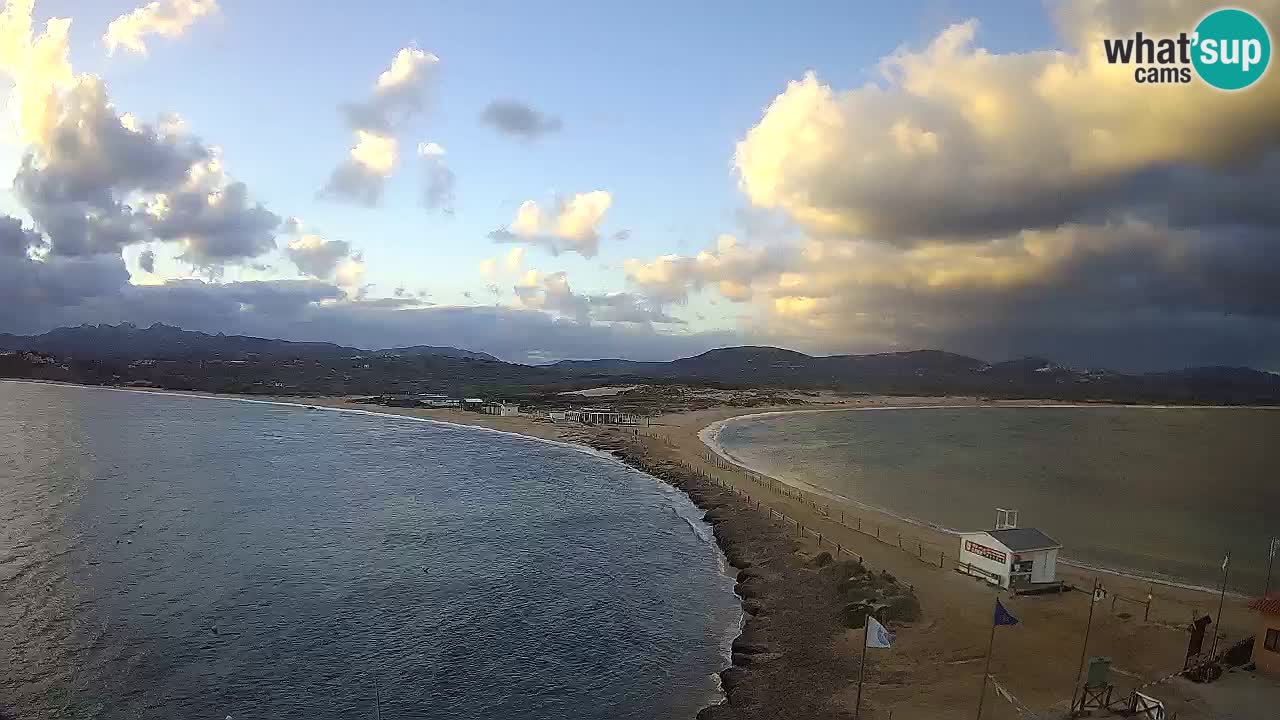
(935, 372)
(450, 352)
(127, 341)
(167, 356)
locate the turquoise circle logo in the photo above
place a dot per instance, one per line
(1232, 49)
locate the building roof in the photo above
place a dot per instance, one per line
(1024, 539)
(1269, 604)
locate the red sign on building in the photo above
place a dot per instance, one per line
(984, 551)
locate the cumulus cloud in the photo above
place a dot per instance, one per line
(512, 117)
(730, 267)
(438, 192)
(959, 141)
(399, 94)
(147, 260)
(573, 226)
(166, 18)
(551, 291)
(1011, 203)
(95, 180)
(316, 256)
(16, 240)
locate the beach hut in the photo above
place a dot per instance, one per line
(1014, 558)
(1266, 643)
(500, 409)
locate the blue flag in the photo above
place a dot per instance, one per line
(1003, 617)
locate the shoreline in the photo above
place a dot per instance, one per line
(808, 654)
(709, 437)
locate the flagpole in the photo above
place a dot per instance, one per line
(1275, 543)
(991, 642)
(1088, 625)
(1217, 624)
(862, 669)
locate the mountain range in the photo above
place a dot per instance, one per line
(107, 353)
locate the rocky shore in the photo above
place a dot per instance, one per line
(799, 603)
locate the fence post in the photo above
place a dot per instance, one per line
(919, 549)
(819, 539)
(841, 517)
(942, 559)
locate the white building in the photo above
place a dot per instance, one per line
(501, 409)
(603, 416)
(1018, 559)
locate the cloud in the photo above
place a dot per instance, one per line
(316, 256)
(956, 141)
(16, 240)
(147, 260)
(96, 180)
(1187, 296)
(730, 267)
(438, 193)
(166, 18)
(512, 117)
(399, 94)
(551, 291)
(574, 226)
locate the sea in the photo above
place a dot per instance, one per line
(1163, 493)
(169, 556)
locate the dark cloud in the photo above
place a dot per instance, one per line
(76, 182)
(317, 257)
(16, 239)
(355, 183)
(147, 260)
(221, 227)
(513, 117)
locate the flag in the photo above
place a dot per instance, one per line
(1003, 617)
(1226, 561)
(1275, 545)
(877, 635)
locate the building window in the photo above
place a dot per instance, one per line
(1273, 641)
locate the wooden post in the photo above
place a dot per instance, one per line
(1217, 624)
(862, 669)
(991, 643)
(1088, 624)
(942, 558)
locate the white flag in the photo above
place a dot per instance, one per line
(1275, 544)
(877, 635)
(1226, 561)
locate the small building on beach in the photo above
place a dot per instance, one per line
(604, 416)
(1014, 558)
(500, 409)
(1266, 642)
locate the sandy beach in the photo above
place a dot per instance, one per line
(934, 669)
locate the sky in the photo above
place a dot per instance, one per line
(574, 180)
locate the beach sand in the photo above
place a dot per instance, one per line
(935, 668)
